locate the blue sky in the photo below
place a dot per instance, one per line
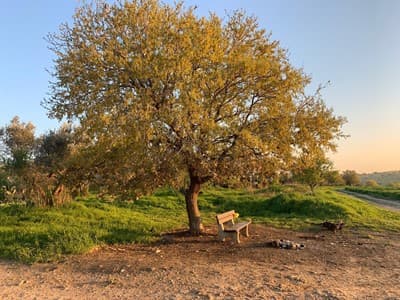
(354, 44)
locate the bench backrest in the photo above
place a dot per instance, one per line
(225, 217)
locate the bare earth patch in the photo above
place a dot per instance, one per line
(345, 265)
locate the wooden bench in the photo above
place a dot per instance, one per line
(228, 228)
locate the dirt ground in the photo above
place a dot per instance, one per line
(344, 265)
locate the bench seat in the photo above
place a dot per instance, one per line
(236, 227)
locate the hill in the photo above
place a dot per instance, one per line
(383, 178)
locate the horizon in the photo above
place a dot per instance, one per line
(352, 44)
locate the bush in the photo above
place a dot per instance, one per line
(395, 185)
(371, 183)
(350, 177)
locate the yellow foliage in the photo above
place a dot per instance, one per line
(160, 91)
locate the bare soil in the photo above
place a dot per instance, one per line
(344, 265)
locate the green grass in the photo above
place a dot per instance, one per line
(385, 192)
(36, 234)
(31, 234)
(291, 209)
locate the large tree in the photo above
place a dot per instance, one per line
(159, 91)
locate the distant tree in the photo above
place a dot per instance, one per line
(53, 155)
(314, 173)
(371, 183)
(18, 141)
(28, 173)
(333, 177)
(53, 148)
(351, 177)
(159, 92)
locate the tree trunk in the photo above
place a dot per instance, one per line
(195, 225)
(312, 186)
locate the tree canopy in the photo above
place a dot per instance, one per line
(18, 139)
(159, 91)
(314, 174)
(351, 177)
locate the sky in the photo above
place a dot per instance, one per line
(353, 44)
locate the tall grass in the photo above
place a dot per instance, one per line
(32, 234)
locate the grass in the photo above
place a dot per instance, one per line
(31, 234)
(35, 234)
(385, 192)
(294, 210)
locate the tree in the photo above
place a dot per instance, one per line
(18, 139)
(32, 166)
(18, 142)
(53, 148)
(351, 177)
(52, 159)
(314, 174)
(158, 91)
(333, 177)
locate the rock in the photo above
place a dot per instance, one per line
(22, 282)
(148, 269)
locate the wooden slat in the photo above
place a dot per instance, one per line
(236, 227)
(225, 217)
(228, 213)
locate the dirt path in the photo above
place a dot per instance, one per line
(393, 205)
(345, 265)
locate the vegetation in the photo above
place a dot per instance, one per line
(351, 177)
(40, 234)
(333, 178)
(163, 96)
(33, 168)
(18, 141)
(387, 192)
(314, 174)
(371, 183)
(383, 178)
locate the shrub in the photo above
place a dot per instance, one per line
(371, 183)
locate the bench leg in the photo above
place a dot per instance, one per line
(221, 235)
(237, 240)
(247, 230)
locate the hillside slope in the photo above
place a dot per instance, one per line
(383, 178)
